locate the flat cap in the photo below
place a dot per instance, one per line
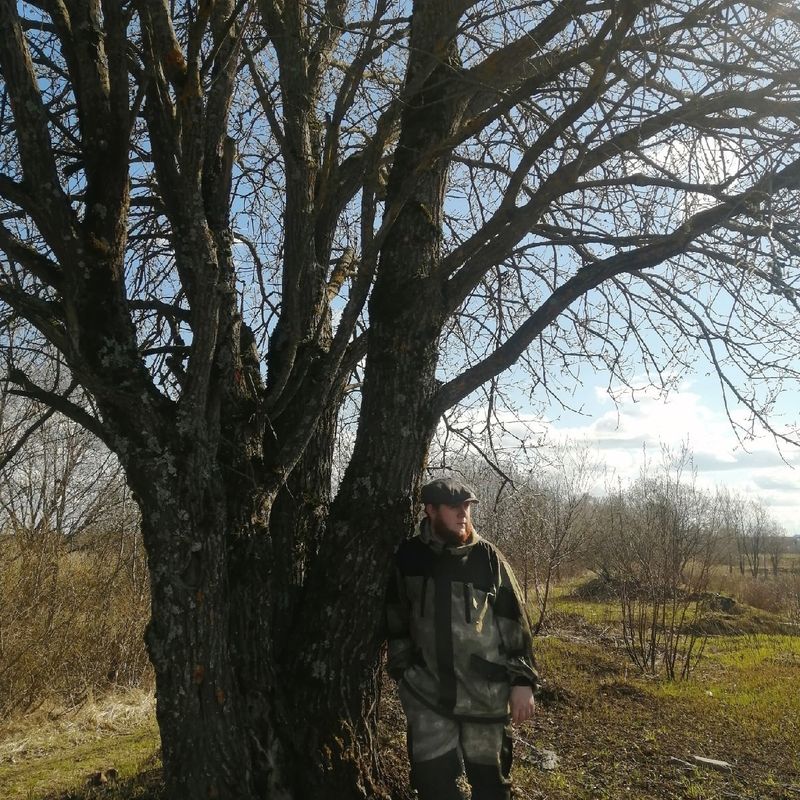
(447, 491)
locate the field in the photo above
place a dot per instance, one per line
(619, 735)
(616, 733)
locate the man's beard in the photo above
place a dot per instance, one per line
(448, 536)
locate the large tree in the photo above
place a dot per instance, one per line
(228, 224)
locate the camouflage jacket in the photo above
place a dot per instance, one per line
(459, 635)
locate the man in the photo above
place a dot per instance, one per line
(460, 647)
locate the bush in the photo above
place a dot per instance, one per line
(790, 592)
(767, 594)
(72, 617)
(598, 589)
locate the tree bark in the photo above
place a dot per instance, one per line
(199, 708)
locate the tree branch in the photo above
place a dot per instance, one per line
(35, 146)
(45, 270)
(12, 451)
(57, 402)
(592, 276)
(507, 227)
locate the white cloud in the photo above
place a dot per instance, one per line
(624, 432)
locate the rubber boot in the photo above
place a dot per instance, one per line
(436, 778)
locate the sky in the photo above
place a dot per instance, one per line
(620, 434)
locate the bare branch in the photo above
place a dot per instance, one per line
(589, 277)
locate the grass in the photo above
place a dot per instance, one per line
(54, 753)
(623, 735)
(618, 735)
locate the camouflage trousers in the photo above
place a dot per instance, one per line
(442, 750)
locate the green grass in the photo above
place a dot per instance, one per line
(748, 680)
(588, 610)
(617, 732)
(67, 770)
(53, 755)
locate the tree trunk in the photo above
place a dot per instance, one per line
(242, 713)
(199, 708)
(330, 676)
(220, 700)
(334, 650)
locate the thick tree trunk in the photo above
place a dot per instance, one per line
(335, 648)
(220, 702)
(331, 676)
(237, 719)
(198, 702)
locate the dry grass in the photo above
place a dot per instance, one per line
(71, 618)
(44, 730)
(75, 680)
(778, 595)
(55, 751)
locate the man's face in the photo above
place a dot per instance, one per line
(451, 524)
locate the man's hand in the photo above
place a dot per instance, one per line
(523, 705)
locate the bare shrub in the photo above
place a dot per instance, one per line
(75, 588)
(558, 516)
(790, 591)
(764, 595)
(71, 619)
(543, 521)
(663, 533)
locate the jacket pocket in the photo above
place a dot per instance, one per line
(489, 670)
